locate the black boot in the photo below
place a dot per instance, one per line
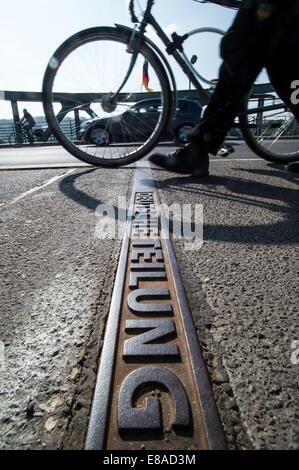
(191, 159)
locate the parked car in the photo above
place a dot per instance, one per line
(139, 122)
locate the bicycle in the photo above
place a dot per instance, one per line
(19, 135)
(270, 130)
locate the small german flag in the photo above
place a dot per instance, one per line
(145, 78)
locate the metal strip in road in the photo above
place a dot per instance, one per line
(153, 391)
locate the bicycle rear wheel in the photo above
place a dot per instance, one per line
(270, 129)
(202, 48)
(79, 81)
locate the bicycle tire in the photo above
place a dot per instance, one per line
(255, 142)
(86, 37)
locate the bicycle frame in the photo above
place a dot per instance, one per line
(173, 48)
(141, 49)
(21, 134)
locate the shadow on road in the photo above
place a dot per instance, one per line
(279, 172)
(235, 190)
(68, 188)
(250, 193)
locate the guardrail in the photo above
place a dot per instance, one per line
(69, 128)
(70, 103)
(5, 130)
(74, 103)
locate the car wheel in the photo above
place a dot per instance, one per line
(182, 133)
(100, 137)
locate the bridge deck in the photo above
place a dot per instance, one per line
(57, 278)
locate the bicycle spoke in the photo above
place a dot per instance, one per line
(273, 131)
(88, 77)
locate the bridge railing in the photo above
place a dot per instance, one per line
(71, 104)
(5, 131)
(9, 129)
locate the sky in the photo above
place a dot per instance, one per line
(31, 30)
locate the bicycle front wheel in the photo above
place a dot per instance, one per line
(81, 107)
(270, 129)
(15, 140)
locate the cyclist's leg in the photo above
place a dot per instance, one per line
(283, 72)
(241, 65)
(242, 62)
(31, 135)
(224, 106)
(244, 50)
(28, 130)
(283, 68)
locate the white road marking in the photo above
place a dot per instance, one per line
(237, 160)
(37, 188)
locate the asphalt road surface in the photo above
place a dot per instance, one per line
(40, 157)
(57, 278)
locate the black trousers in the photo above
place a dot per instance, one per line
(263, 34)
(29, 133)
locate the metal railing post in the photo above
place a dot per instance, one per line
(77, 123)
(259, 120)
(16, 118)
